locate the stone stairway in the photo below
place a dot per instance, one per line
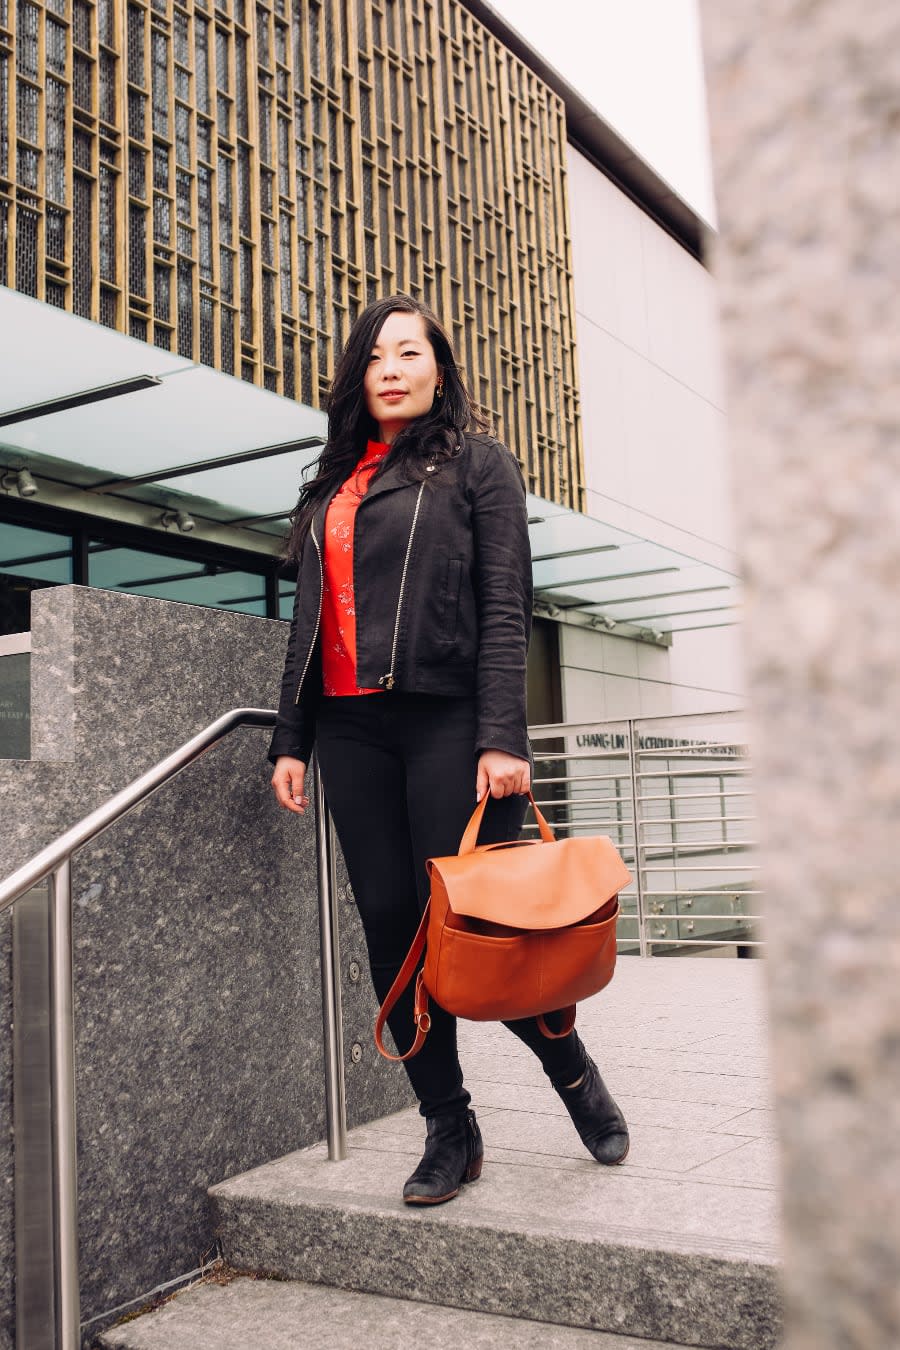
(676, 1247)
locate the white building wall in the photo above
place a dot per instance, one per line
(654, 435)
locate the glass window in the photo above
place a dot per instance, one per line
(184, 579)
(15, 705)
(286, 599)
(29, 560)
(39, 555)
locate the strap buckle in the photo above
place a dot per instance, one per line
(421, 1015)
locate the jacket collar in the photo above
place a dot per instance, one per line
(392, 477)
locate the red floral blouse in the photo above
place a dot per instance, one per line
(338, 608)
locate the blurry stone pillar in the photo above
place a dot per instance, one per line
(805, 114)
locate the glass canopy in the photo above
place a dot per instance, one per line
(184, 436)
(620, 579)
(248, 446)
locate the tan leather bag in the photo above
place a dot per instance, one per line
(513, 930)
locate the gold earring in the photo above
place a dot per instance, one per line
(439, 389)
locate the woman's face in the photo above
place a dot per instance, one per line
(402, 374)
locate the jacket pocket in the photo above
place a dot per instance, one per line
(451, 600)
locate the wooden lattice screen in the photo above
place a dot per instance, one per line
(233, 182)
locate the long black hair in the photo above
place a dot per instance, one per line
(436, 435)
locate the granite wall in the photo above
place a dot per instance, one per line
(805, 108)
(198, 1015)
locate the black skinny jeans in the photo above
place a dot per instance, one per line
(399, 774)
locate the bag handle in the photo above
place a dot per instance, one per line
(467, 843)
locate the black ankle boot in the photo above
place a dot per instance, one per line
(596, 1117)
(453, 1154)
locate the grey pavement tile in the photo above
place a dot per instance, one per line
(663, 1082)
(692, 1016)
(743, 1044)
(703, 1026)
(634, 1171)
(690, 988)
(489, 1097)
(699, 1039)
(673, 1150)
(666, 1113)
(407, 1126)
(400, 1155)
(755, 1161)
(748, 1066)
(759, 1123)
(512, 1069)
(602, 1038)
(729, 975)
(296, 1316)
(703, 1031)
(602, 1035)
(687, 1086)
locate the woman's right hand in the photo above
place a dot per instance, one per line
(287, 782)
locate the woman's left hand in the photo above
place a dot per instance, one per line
(502, 774)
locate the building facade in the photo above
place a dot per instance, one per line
(235, 182)
(196, 201)
(653, 420)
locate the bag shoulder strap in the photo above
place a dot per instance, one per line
(421, 1015)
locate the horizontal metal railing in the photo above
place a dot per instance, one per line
(53, 863)
(641, 781)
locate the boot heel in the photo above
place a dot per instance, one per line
(473, 1171)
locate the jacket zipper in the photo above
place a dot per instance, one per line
(312, 530)
(388, 679)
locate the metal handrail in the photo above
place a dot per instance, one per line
(54, 862)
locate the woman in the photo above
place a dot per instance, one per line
(406, 665)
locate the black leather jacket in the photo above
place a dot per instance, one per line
(442, 581)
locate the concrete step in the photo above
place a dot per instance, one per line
(249, 1314)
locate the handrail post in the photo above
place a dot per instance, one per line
(62, 1068)
(643, 944)
(329, 948)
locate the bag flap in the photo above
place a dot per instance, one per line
(534, 885)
